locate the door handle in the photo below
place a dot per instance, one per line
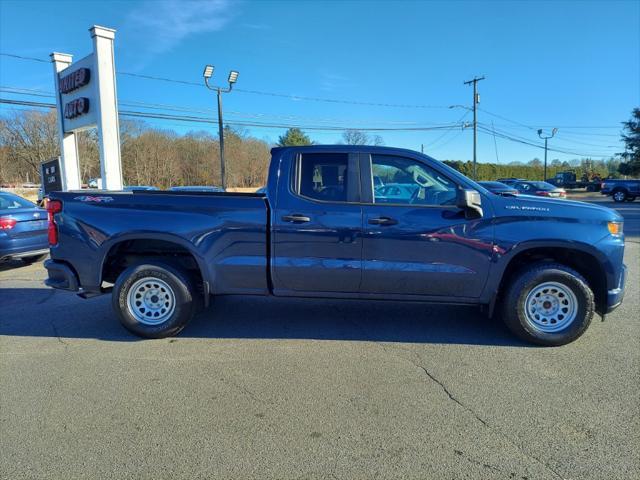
(383, 221)
(296, 218)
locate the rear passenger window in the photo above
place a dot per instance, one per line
(323, 176)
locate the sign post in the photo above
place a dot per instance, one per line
(86, 98)
(107, 107)
(68, 145)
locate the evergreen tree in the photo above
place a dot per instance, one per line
(294, 137)
(631, 138)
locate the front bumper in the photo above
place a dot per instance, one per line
(615, 296)
(61, 276)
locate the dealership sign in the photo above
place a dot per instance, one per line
(77, 92)
(86, 98)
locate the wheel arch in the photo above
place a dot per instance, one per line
(125, 250)
(585, 260)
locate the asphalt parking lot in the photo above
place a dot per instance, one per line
(294, 389)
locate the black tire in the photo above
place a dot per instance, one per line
(524, 282)
(34, 258)
(619, 196)
(182, 292)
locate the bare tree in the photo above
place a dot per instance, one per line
(29, 138)
(358, 137)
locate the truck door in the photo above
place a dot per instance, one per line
(419, 243)
(317, 226)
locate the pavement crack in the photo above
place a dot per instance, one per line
(485, 423)
(57, 335)
(48, 296)
(451, 396)
(454, 399)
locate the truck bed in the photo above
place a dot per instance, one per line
(225, 234)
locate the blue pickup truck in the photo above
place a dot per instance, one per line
(621, 190)
(321, 229)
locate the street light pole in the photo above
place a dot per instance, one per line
(223, 177)
(546, 138)
(233, 78)
(475, 120)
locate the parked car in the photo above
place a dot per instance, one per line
(510, 180)
(23, 229)
(196, 188)
(396, 192)
(621, 190)
(138, 188)
(499, 188)
(540, 189)
(322, 231)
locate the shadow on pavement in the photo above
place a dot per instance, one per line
(12, 264)
(43, 312)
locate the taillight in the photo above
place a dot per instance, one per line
(7, 223)
(563, 194)
(53, 207)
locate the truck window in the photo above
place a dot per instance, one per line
(415, 183)
(323, 176)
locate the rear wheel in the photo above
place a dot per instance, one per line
(548, 304)
(619, 196)
(154, 300)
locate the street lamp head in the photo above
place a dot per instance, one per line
(208, 71)
(233, 77)
(554, 131)
(540, 131)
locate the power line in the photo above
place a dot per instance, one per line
(21, 57)
(526, 142)
(256, 92)
(194, 119)
(181, 108)
(545, 126)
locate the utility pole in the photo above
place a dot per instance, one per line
(476, 100)
(546, 138)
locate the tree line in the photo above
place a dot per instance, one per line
(163, 158)
(150, 156)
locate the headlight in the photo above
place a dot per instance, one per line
(615, 228)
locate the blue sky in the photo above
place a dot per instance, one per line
(566, 64)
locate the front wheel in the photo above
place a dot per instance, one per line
(619, 196)
(548, 304)
(154, 300)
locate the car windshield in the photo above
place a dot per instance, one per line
(9, 201)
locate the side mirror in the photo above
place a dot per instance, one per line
(469, 200)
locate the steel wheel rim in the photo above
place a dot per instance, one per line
(551, 307)
(151, 301)
(618, 196)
